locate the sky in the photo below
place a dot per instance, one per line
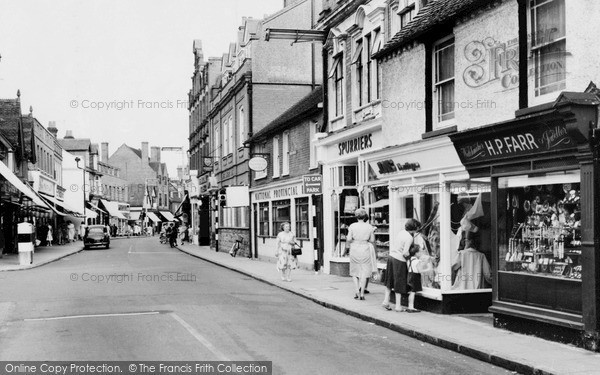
(114, 71)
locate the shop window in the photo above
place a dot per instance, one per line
(302, 228)
(263, 219)
(444, 80)
(281, 214)
(344, 205)
(379, 213)
(548, 45)
(539, 224)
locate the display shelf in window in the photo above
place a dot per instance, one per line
(545, 238)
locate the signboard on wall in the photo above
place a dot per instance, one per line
(511, 143)
(312, 183)
(237, 196)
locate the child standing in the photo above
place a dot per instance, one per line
(415, 268)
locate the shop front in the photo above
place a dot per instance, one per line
(283, 203)
(413, 181)
(544, 251)
(339, 154)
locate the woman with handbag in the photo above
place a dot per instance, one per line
(286, 262)
(360, 240)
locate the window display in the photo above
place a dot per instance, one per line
(302, 218)
(540, 232)
(379, 212)
(281, 214)
(347, 203)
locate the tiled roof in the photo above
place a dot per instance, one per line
(155, 166)
(433, 15)
(293, 115)
(10, 107)
(137, 151)
(75, 144)
(9, 127)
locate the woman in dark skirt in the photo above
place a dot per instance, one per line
(396, 271)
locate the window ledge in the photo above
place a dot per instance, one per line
(439, 132)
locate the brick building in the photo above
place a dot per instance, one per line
(277, 194)
(259, 80)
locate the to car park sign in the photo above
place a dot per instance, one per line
(312, 183)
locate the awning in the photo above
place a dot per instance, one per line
(113, 209)
(17, 183)
(134, 215)
(89, 214)
(64, 205)
(152, 216)
(169, 216)
(96, 207)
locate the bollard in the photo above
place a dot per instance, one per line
(26, 238)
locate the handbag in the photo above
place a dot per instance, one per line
(296, 250)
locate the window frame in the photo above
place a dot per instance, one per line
(263, 208)
(301, 203)
(446, 42)
(285, 153)
(275, 207)
(275, 157)
(537, 49)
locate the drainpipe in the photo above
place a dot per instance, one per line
(250, 226)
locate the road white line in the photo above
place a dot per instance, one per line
(155, 252)
(92, 316)
(200, 338)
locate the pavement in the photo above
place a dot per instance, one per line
(473, 336)
(43, 255)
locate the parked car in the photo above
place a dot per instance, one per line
(96, 235)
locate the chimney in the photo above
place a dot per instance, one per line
(155, 154)
(52, 128)
(69, 135)
(104, 151)
(144, 153)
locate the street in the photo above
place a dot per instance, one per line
(140, 300)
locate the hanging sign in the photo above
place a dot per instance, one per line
(257, 164)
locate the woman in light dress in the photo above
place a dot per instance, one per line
(360, 240)
(286, 262)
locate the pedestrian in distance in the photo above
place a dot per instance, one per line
(286, 262)
(71, 228)
(396, 275)
(49, 237)
(173, 236)
(360, 240)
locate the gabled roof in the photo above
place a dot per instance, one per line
(95, 148)
(75, 144)
(137, 151)
(295, 114)
(435, 14)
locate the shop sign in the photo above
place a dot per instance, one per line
(545, 138)
(257, 163)
(356, 144)
(279, 193)
(312, 183)
(45, 186)
(390, 166)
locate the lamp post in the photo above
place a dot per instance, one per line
(83, 170)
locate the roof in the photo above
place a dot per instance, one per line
(430, 17)
(10, 107)
(95, 148)
(75, 144)
(155, 166)
(293, 115)
(137, 151)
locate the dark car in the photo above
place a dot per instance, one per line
(96, 235)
